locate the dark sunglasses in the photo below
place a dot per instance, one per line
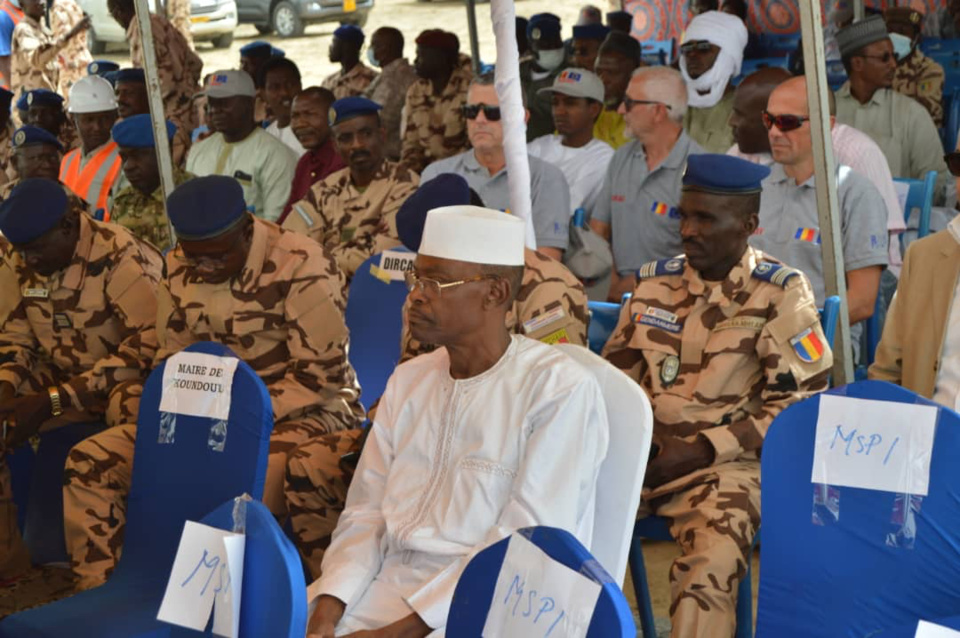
(785, 123)
(953, 163)
(471, 111)
(699, 45)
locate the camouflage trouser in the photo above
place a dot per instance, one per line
(178, 12)
(714, 522)
(97, 482)
(316, 489)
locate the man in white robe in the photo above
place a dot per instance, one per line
(485, 435)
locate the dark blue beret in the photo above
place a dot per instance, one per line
(206, 207)
(349, 33)
(34, 135)
(446, 189)
(543, 25)
(136, 131)
(34, 207)
(350, 107)
(39, 97)
(621, 15)
(723, 175)
(111, 77)
(257, 49)
(277, 52)
(101, 67)
(130, 75)
(590, 32)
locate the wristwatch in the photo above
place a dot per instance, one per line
(56, 407)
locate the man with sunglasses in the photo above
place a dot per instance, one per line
(484, 167)
(710, 56)
(486, 434)
(637, 207)
(353, 211)
(274, 298)
(899, 125)
(789, 223)
(618, 58)
(78, 308)
(722, 338)
(918, 76)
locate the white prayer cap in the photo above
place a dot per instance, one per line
(473, 234)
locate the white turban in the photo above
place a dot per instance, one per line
(727, 32)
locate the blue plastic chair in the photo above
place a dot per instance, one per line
(172, 483)
(774, 44)
(934, 46)
(273, 601)
(953, 119)
(920, 198)
(375, 318)
(473, 595)
(829, 317)
(603, 319)
(841, 580)
(657, 52)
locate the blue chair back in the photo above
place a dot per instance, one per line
(774, 44)
(657, 52)
(939, 46)
(842, 579)
(375, 318)
(603, 320)
(172, 483)
(828, 318)
(273, 601)
(953, 118)
(473, 595)
(920, 199)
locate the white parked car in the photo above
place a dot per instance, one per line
(211, 21)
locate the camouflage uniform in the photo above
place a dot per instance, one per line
(922, 78)
(283, 315)
(551, 306)
(88, 329)
(353, 83)
(145, 215)
(354, 225)
(30, 67)
(8, 172)
(435, 127)
(718, 360)
(178, 13)
(178, 66)
(74, 56)
(389, 90)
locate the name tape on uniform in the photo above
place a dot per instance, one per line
(874, 445)
(541, 321)
(198, 384)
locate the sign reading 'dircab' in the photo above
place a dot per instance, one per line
(198, 384)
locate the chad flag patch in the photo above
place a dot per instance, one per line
(808, 346)
(661, 209)
(811, 235)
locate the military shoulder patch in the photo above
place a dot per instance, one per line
(672, 266)
(776, 274)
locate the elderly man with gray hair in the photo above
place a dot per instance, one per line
(637, 205)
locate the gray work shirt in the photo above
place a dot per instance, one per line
(548, 190)
(641, 205)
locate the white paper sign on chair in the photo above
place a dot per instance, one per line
(207, 576)
(875, 445)
(930, 630)
(538, 597)
(198, 384)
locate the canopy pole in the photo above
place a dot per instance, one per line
(857, 10)
(474, 38)
(825, 179)
(155, 94)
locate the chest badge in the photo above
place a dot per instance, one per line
(669, 369)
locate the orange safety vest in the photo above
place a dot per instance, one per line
(102, 171)
(16, 15)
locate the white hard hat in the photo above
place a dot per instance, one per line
(92, 94)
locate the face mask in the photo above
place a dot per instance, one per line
(902, 45)
(550, 59)
(372, 58)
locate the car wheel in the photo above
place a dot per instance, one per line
(286, 20)
(96, 46)
(224, 41)
(264, 29)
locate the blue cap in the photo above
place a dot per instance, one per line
(34, 135)
(130, 75)
(349, 33)
(723, 175)
(277, 52)
(136, 131)
(350, 107)
(446, 189)
(206, 207)
(39, 97)
(543, 25)
(590, 32)
(101, 67)
(33, 207)
(256, 49)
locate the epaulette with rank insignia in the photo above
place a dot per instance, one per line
(776, 274)
(672, 266)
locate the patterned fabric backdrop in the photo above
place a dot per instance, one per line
(663, 19)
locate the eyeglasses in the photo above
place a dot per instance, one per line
(629, 103)
(471, 111)
(953, 163)
(886, 57)
(432, 287)
(785, 123)
(699, 45)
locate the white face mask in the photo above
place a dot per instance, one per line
(371, 58)
(550, 59)
(902, 45)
